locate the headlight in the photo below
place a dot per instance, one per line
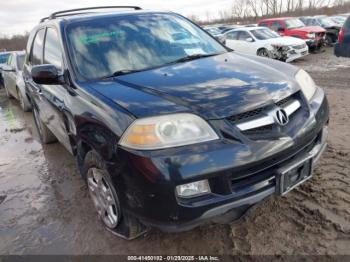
(167, 131)
(193, 189)
(306, 84)
(311, 35)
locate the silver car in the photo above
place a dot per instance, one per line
(13, 79)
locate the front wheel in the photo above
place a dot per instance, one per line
(106, 201)
(45, 135)
(24, 105)
(264, 53)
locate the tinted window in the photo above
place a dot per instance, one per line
(264, 24)
(4, 58)
(347, 23)
(37, 51)
(52, 51)
(232, 35)
(276, 26)
(243, 36)
(100, 47)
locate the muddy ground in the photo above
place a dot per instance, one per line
(45, 209)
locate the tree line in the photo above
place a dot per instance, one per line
(253, 10)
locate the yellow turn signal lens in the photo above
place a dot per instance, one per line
(142, 135)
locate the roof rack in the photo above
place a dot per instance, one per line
(67, 12)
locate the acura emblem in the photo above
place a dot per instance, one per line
(282, 117)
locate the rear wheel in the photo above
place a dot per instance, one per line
(263, 53)
(45, 135)
(8, 93)
(24, 105)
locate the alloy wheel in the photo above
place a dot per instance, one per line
(103, 198)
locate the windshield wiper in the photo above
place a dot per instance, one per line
(121, 72)
(191, 57)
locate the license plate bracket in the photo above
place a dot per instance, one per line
(289, 179)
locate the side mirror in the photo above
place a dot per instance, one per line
(46, 75)
(249, 39)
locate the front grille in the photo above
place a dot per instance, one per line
(257, 111)
(260, 123)
(246, 115)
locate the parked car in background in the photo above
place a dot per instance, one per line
(339, 19)
(166, 134)
(216, 33)
(3, 60)
(294, 27)
(13, 79)
(225, 28)
(331, 27)
(342, 47)
(264, 42)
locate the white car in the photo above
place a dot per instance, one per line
(264, 42)
(13, 79)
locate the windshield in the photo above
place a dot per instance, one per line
(3, 58)
(326, 22)
(264, 34)
(101, 47)
(20, 61)
(294, 23)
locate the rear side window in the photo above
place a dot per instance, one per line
(243, 36)
(276, 25)
(37, 50)
(232, 35)
(52, 49)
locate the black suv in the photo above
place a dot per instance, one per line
(170, 128)
(342, 47)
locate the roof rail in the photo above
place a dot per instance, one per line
(67, 12)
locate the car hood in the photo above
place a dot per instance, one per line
(213, 87)
(310, 29)
(288, 41)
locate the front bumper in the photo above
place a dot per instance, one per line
(295, 54)
(240, 175)
(315, 44)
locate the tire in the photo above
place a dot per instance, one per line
(263, 53)
(329, 40)
(102, 191)
(45, 135)
(9, 96)
(25, 107)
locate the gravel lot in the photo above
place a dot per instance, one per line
(45, 209)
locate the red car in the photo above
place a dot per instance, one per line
(290, 26)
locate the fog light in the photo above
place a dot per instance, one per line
(193, 189)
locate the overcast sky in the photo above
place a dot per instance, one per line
(18, 16)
